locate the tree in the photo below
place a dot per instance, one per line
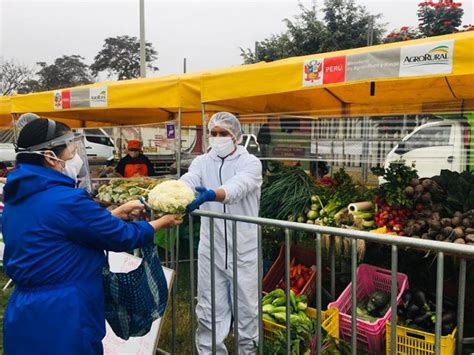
(442, 18)
(344, 25)
(277, 46)
(347, 26)
(121, 56)
(12, 76)
(68, 70)
(434, 19)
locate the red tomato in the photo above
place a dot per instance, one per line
(300, 283)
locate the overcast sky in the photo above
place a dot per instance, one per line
(207, 33)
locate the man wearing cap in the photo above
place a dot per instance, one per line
(228, 180)
(135, 163)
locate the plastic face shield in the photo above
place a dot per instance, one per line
(75, 144)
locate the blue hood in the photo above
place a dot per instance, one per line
(29, 179)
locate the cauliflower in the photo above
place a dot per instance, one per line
(171, 196)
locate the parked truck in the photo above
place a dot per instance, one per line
(434, 146)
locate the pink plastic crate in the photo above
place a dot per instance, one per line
(370, 336)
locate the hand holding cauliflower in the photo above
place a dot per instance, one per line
(171, 197)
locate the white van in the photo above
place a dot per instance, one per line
(100, 146)
(435, 146)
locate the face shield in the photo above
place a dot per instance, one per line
(76, 165)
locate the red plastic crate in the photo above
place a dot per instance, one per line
(277, 271)
(370, 336)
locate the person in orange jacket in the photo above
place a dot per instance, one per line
(135, 163)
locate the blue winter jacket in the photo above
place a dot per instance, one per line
(55, 236)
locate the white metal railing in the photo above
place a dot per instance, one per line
(441, 249)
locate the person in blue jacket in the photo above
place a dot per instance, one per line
(55, 236)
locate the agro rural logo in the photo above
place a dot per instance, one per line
(313, 70)
(101, 96)
(438, 55)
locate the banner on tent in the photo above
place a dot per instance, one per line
(80, 98)
(421, 59)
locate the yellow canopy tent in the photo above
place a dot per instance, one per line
(127, 102)
(5, 115)
(137, 101)
(426, 75)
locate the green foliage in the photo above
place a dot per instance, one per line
(459, 188)
(398, 176)
(302, 340)
(121, 56)
(434, 19)
(344, 25)
(66, 71)
(286, 191)
(347, 25)
(437, 19)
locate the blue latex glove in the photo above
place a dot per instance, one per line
(204, 195)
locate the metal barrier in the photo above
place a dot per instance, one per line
(441, 248)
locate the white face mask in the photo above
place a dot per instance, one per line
(134, 153)
(223, 146)
(73, 167)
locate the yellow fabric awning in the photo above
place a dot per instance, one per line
(5, 111)
(403, 77)
(137, 101)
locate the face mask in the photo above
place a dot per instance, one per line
(134, 153)
(223, 146)
(73, 167)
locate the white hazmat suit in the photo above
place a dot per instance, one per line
(240, 176)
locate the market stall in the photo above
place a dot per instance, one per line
(426, 80)
(121, 103)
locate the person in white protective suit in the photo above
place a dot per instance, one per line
(228, 180)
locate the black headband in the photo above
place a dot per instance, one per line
(51, 130)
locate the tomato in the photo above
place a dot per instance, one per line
(300, 284)
(295, 290)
